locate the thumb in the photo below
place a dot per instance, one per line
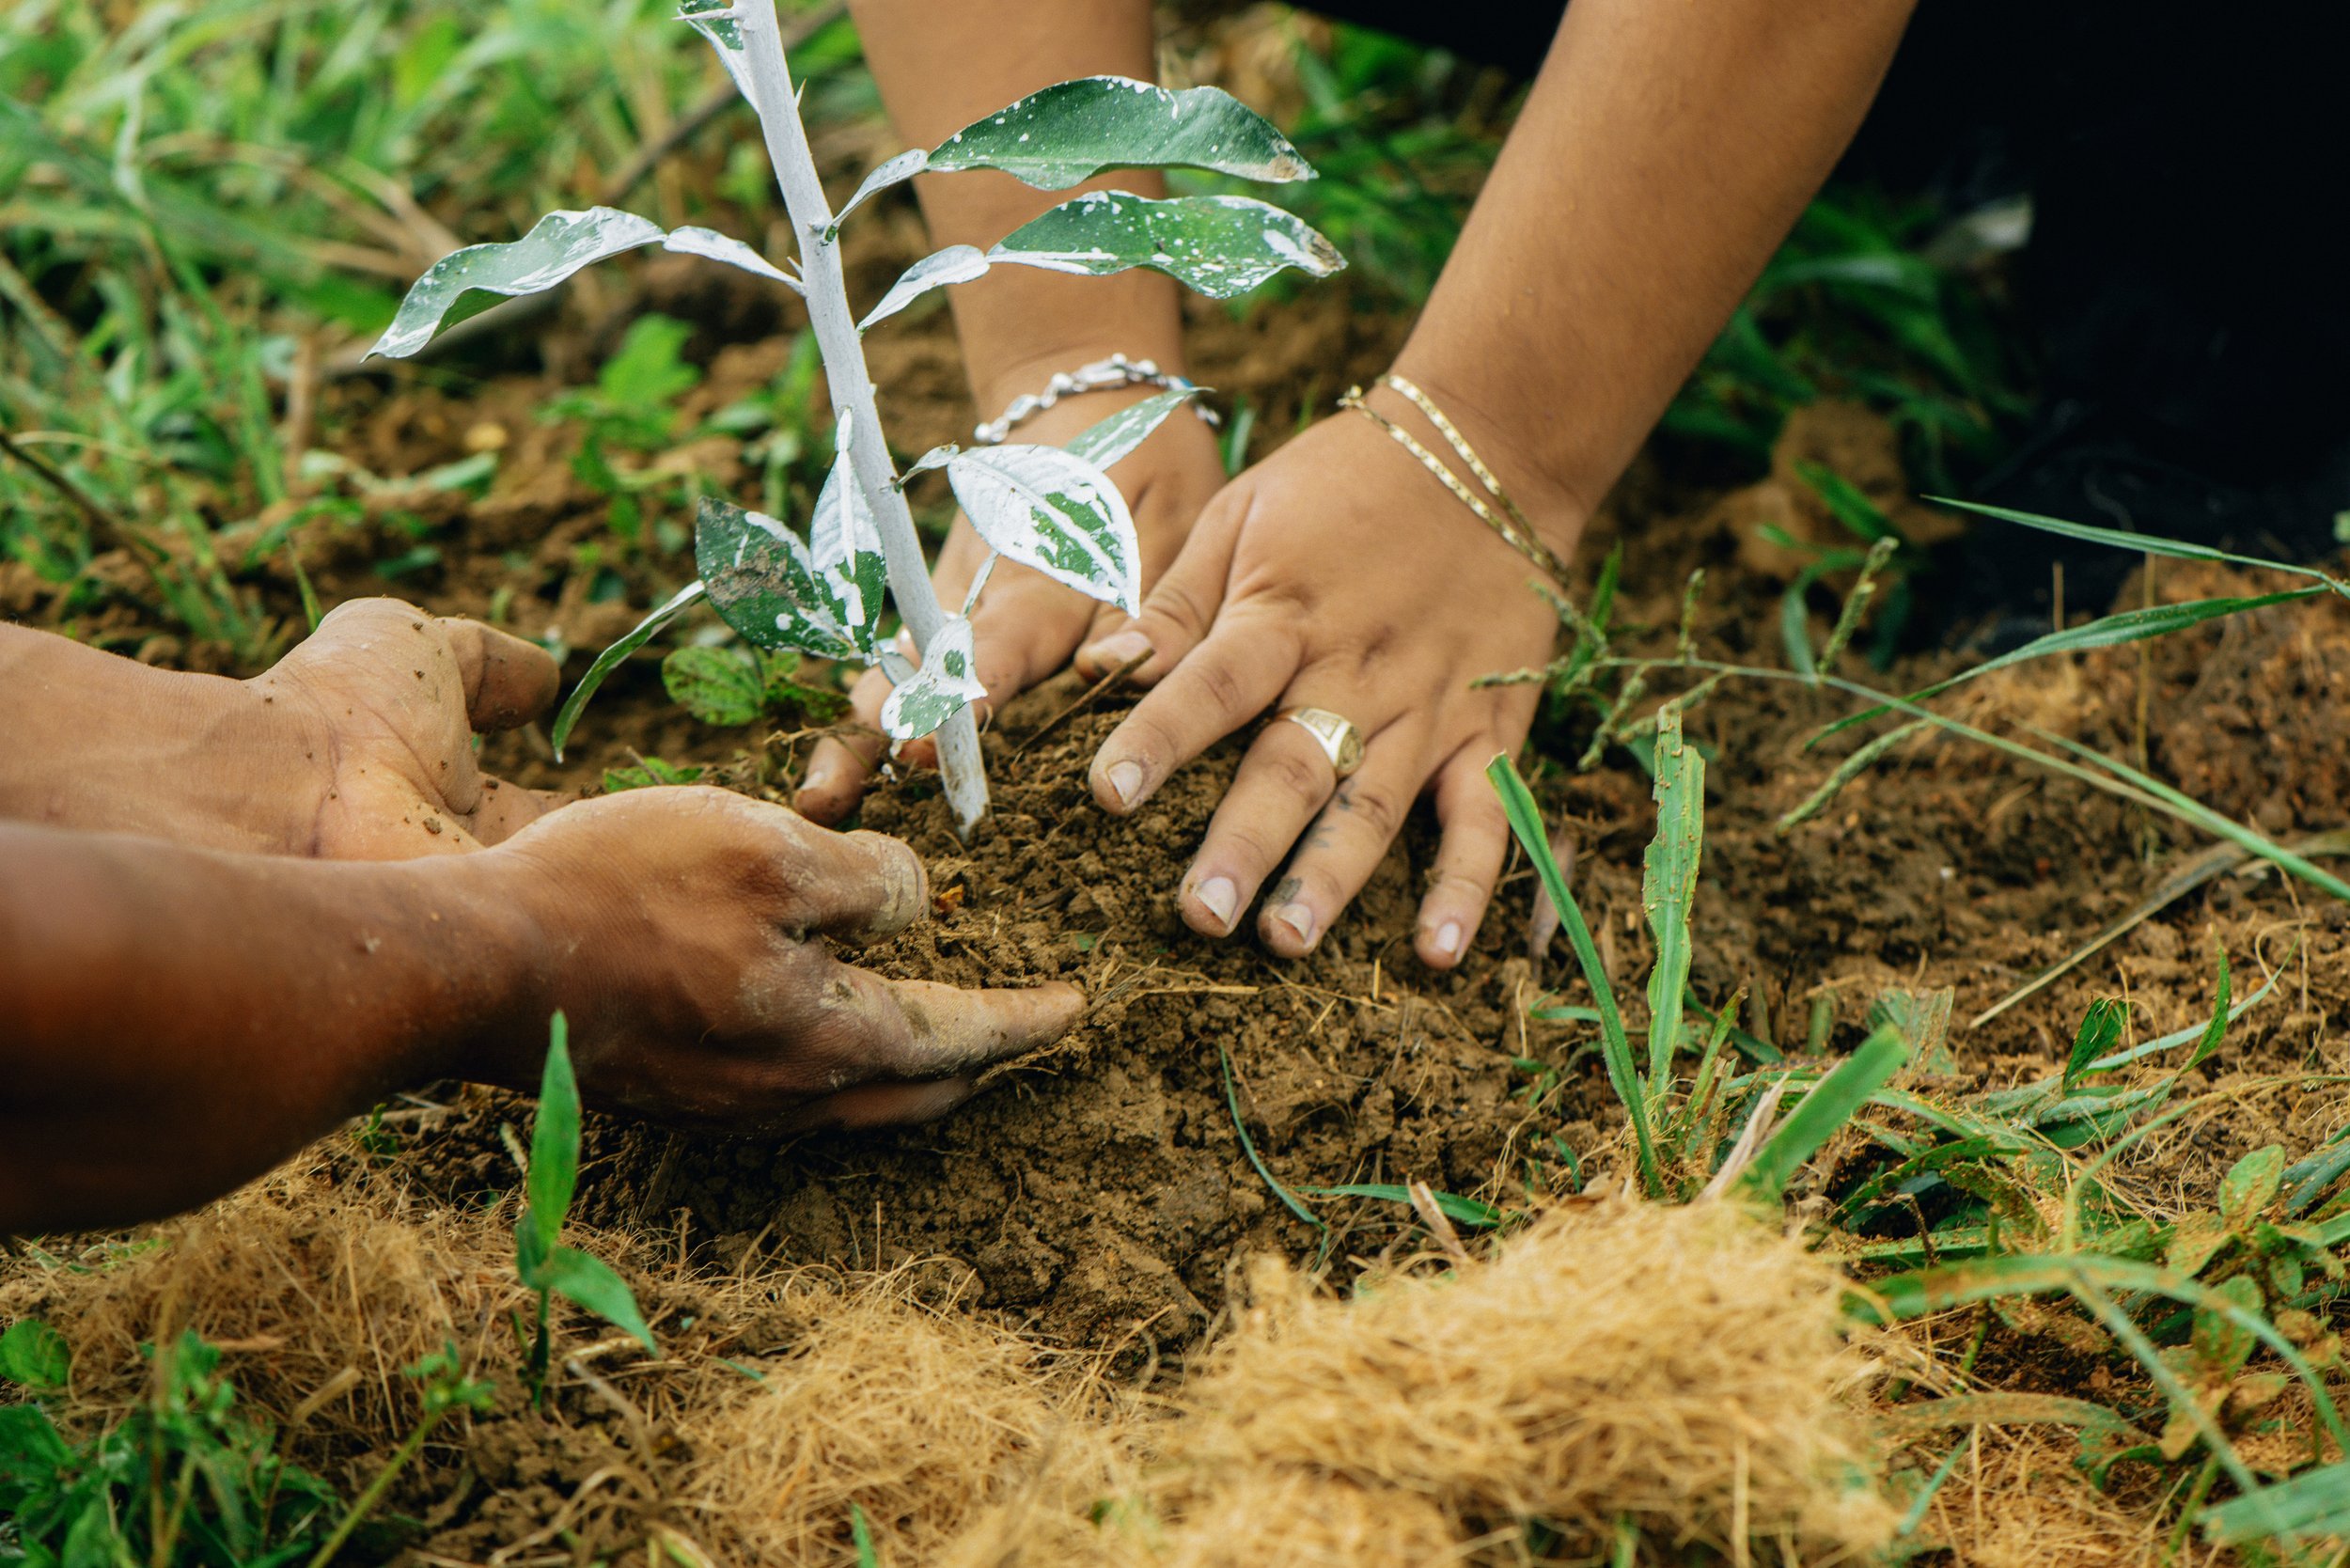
(1179, 611)
(508, 682)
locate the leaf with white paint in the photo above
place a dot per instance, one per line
(1046, 509)
(709, 244)
(466, 282)
(1072, 130)
(897, 171)
(937, 457)
(761, 580)
(1221, 245)
(955, 264)
(616, 656)
(1102, 445)
(845, 549)
(724, 33)
(943, 687)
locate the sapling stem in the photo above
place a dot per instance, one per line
(767, 82)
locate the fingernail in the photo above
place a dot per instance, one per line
(1448, 940)
(1299, 920)
(1220, 898)
(1113, 652)
(1125, 781)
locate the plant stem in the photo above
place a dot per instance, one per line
(366, 1502)
(767, 82)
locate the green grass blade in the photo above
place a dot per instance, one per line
(2150, 545)
(554, 1174)
(2125, 627)
(1248, 1146)
(614, 656)
(1465, 1210)
(1668, 887)
(2186, 805)
(1624, 1073)
(1863, 758)
(1832, 1102)
(2315, 1502)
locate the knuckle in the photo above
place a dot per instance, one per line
(1305, 782)
(1379, 809)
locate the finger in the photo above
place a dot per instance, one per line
(508, 682)
(853, 887)
(1220, 685)
(1468, 862)
(872, 1030)
(880, 1105)
(841, 763)
(1283, 783)
(506, 810)
(1346, 842)
(1179, 611)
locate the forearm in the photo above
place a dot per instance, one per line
(173, 1021)
(100, 743)
(1663, 153)
(941, 66)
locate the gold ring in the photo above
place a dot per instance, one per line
(1339, 739)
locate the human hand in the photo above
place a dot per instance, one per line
(1338, 575)
(679, 930)
(1027, 625)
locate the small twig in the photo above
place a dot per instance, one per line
(105, 524)
(1439, 1224)
(1092, 694)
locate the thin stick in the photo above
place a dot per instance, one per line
(1091, 693)
(114, 530)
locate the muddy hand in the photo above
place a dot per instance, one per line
(1027, 625)
(1336, 574)
(392, 696)
(686, 951)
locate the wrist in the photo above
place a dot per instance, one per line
(499, 930)
(1507, 434)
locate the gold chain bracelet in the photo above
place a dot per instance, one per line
(1508, 520)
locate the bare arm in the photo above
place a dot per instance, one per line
(1661, 156)
(173, 1021)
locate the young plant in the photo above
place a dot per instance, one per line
(1047, 507)
(550, 1184)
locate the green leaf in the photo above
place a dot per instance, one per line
(1465, 1210)
(2315, 1502)
(717, 685)
(1623, 1072)
(1669, 886)
(616, 656)
(35, 1355)
(2250, 1186)
(2101, 1027)
(588, 1282)
(844, 549)
(1847, 504)
(554, 1174)
(1104, 444)
(763, 582)
(1923, 1019)
(1072, 130)
(2195, 1241)
(1220, 245)
(2217, 1030)
(466, 282)
(2220, 1345)
(942, 688)
(1830, 1103)
(1056, 512)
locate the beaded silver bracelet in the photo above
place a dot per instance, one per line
(1102, 375)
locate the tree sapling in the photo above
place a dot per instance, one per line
(1047, 507)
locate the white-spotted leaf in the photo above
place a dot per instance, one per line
(1220, 245)
(1072, 130)
(845, 550)
(1102, 445)
(466, 282)
(955, 264)
(761, 580)
(1046, 509)
(943, 687)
